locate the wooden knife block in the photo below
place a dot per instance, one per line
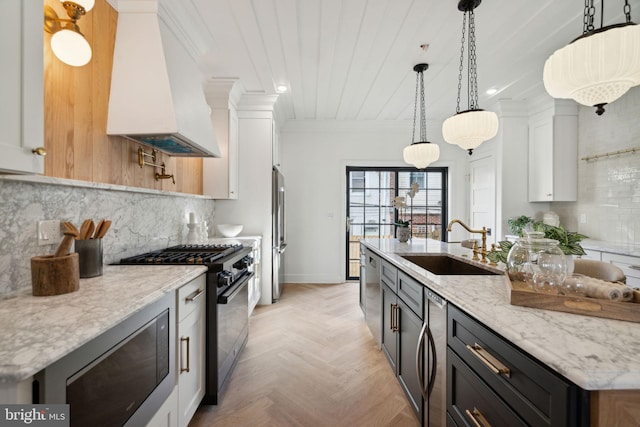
(52, 275)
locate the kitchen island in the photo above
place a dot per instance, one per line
(37, 331)
(598, 355)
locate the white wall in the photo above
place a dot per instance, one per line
(314, 160)
(608, 188)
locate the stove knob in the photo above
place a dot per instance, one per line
(243, 263)
(224, 278)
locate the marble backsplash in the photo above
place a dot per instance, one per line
(143, 219)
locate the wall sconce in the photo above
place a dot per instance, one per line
(67, 42)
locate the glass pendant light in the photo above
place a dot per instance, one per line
(599, 66)
(420, 153)
(471, 127)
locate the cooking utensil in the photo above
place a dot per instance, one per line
(65, 246)
(83, 229)
(90, 230)
(68, 226)
(98, 227)
(103, 229)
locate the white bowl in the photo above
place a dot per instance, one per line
(229, 230)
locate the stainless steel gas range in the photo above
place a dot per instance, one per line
(229, 269)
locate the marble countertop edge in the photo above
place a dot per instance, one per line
(39, 327)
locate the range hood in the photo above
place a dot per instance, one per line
(157, 96)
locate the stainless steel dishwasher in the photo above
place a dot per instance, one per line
(433, 344)
(373, 296)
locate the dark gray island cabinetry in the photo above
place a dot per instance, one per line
(492, 382)
(506, 364)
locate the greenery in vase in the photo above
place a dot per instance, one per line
(517, 224)
(568, 241)
(401, 223)
(501, 252)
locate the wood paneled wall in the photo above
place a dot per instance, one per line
(76, 103)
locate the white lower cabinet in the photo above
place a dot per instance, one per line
(190, 348)
(591, 254)
(630, 266)
(167, 415)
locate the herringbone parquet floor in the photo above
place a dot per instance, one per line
(311, 362)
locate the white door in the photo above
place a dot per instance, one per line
(483, 195)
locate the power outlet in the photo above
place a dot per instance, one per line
(49, 232)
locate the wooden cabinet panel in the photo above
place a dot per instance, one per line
(471, 402)
(76, 101)
(537, 395)
(389, 341)
(191, 348)
(21, 86)
(553, 153)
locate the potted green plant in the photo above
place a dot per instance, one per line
(517, 224)
(568, 241)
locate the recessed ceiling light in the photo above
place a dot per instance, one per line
(281, 88)
(491, 91)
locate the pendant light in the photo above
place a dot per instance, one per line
(599, 66)
(420, 153)
(471, 127)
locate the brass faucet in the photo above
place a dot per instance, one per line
(164, 175)
(483, 232)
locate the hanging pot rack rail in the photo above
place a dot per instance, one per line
(611, 153)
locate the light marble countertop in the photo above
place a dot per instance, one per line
(37, 331)
(594, 353)
(615, 248)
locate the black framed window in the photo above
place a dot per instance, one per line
(370, 205)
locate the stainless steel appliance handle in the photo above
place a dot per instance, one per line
(228, 295)
(282, 248)
(426, 392)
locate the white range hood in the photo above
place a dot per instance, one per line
(157, 96)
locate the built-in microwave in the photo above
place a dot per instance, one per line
(120, 378)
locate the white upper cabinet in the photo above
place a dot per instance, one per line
(220, 175)
(553, 153)
(22, 87)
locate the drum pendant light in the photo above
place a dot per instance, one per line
(599, 66)
(420, 153)
(471, 127)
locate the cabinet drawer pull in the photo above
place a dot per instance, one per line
(492, 363)
(194, 296)
(635, 267)
(394, 318)
(478, 419)
(184, 339)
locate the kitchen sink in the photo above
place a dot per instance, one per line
(444, 265)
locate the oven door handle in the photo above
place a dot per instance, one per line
(230, 293)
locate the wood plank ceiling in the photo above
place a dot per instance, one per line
(353, 59)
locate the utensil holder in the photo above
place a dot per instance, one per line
(90, 253)
(54, 275)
